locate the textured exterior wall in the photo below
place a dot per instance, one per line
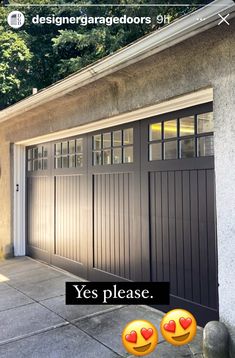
(5, 199)
(205, 60)
(224, 109)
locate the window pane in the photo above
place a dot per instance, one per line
(57, 163)
(79, 160)
(155, 151)
(39, 164)
(170, 150)
(97, 158)
(30, 166)
(155, 131)
(117, 156)
(35, 165)
(72, 146)
(79, 145)
(65, 148)
(205, 123)
(30, 153)
(187, 126)
(44, 152)
(44, 162)
(97, 141)
(117, 138)
(128, 155)
(40, 152)
(64, 162)
(128, 136)
(107, 156)
(35, 153)
(170, 129)
(72, 161)
(58, 149)
(106, 140)
(187, 148)
(205, 146)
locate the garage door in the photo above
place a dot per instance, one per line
(134, 202)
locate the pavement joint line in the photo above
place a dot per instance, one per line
(46, 329)
(23, 305)
(49, 298)
(48, 279)
(34, 299)
(99, 313)
(57, 269)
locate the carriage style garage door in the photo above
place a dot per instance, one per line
(134, 202)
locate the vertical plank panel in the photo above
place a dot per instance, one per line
(122, 230)
(38, 212)
(69, 222)
(172, 235)
(114, 219)
(179, 234)
(126, 226)
(165, 221)
(152, 198)
(195, 236)
(107, 216)
(158, 223)
(187, 236)
(202, 205)
(212, 260)
(116, 223)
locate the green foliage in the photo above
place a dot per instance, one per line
(14, 67)
(38, 55)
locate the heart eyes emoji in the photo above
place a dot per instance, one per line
(132, 336)
(140, 337)
(171, 325)
(178, 327)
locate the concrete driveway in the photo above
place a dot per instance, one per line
(35, 322)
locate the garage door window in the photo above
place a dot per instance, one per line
(68, 154)
(114, 147)
(37, 159)
(185, 137)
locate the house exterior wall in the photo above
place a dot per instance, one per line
(224, 109)
(206, 60)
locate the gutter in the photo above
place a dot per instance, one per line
(170, 35)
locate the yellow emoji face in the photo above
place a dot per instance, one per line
(178, 327)
(140, 337)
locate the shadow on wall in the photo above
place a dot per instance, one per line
(6, 252)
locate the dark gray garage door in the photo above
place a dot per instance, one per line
(134, 202)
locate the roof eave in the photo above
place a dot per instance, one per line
(157, 41)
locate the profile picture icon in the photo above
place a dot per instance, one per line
(15, 19)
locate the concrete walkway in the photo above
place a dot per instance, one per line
(35, 322)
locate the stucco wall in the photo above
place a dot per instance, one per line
(224, 109)
(5, 199)
(205, 60)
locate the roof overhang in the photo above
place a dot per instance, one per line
(170, 35)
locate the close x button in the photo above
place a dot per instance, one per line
(223, 19)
